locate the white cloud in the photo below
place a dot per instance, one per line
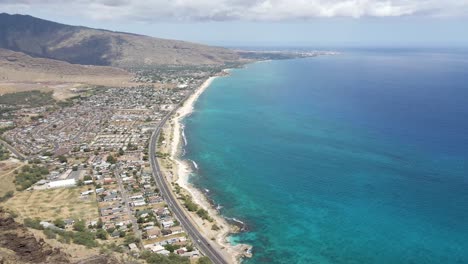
(263, 10)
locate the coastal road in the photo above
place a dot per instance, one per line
(198, 239)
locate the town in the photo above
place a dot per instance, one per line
(97, 143)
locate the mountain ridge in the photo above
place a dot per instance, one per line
(82, 45)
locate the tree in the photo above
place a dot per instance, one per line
(111, 159)
(99, 224)
(62, 159)
(59, 223)
(171, 248)
(189, 248)
(204, 260)
(87, 178)
(130, 239)
(101, 234)
(79, 226)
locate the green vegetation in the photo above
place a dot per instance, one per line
(215, 227)
(189, 204)
(8, 113)
(59, 223)
(4, 129)
(33, 223)
(29, 175)
(204, 260)
(101, 234)
(85, 238)
(4, 153)
(50, 234)
(29, 98)
(69, 101)
(171, 247)
(204, 214)
(7, 196)
(62, 159)
(79, 226)
(161, 138)
(129, 239)
(111, 159)
(154, 258)
(162, 155)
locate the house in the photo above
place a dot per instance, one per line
(133, 247)
(109, 180)
(87, 193)
(167, 224)
(139, 203)
(153, 233)
(154, 248)
(164, 252)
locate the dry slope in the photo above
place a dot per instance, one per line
(81, 45)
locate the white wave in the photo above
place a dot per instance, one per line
(238, 221)
(183, 136)
(194, 164)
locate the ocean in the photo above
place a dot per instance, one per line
(360, 157)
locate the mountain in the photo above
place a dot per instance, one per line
(81, 45)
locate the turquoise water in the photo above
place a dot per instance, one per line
(355, 158)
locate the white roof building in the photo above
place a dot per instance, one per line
(62, 183)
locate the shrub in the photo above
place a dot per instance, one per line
(33, 223)
(85, 238)
(50, 234)
(101, 234)
(79, 226)
(59, 223)
(7, 196)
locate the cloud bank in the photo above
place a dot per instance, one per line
(247, 10)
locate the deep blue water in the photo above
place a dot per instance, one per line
(356, 158)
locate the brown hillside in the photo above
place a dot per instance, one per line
(81, 45)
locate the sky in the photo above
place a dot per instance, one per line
(307, 23)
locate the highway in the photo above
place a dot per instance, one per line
(201, 242)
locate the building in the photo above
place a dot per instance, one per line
(61, 183)
(153, 233)
(133, 247)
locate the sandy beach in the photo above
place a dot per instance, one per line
(183, 168)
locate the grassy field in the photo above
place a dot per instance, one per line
(54, 203)
(7, 176)
(31, 98)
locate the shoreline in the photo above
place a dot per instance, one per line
(183, 169)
